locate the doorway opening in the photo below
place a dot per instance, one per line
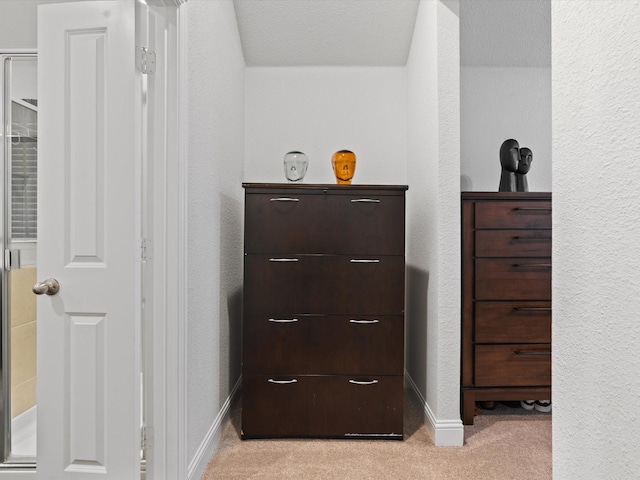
(18, 207)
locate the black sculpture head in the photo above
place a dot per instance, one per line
(526, 158)
(509, 158)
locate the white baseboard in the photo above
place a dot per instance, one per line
(211, 441)
(444, 433)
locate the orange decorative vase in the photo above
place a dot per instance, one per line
(344, 166)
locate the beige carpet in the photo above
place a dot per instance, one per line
(504, 444)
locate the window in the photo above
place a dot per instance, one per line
(23, 169)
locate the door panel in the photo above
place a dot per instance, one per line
(88, 211)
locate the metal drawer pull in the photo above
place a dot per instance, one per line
(283, 320)
(533, 209)
(354, 260)
(284, 199)
(283, 260)
(365, 200)
(547, 265)
(532, 309)
(353, 320)
(282, 382)
(356, 382)
(532, 352)
(531, 238)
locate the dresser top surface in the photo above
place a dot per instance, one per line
(314, 187)
(506, 195)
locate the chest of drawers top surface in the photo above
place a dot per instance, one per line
(328, 219)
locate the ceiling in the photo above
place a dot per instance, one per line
(326, 32)
(505, 33)
(511, 33)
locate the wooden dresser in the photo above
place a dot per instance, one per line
(506, 298)
(323, 311)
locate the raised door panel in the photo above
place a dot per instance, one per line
(513, 279)
(513, 214)
(322, 406)
(513, 243)
(325, 284)
(305, 344)
(287, 222)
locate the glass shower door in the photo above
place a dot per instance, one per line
(19, 235)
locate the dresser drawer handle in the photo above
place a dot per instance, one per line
(284, 199)
(532, 309)
(536, 265)
(533, 209)
(364, 322)
(282, 382)
(365, 200)
(354, 260)
(532, 352)
(532, 238)
(283, 260)
(357, 382)
(283, 320)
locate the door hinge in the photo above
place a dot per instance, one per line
(145, 60)
(146, 249)
(11, 259)
(146, 437)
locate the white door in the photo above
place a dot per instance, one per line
(88, 386)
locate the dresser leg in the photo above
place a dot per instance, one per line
(468, 406)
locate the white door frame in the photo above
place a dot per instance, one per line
(166, 362)
(165, 352)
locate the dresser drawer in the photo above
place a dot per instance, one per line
(512, 365)
(513, 243)
(324, 284)
(513, 322)
(325, 345)
(513, 214)
(513, 279)
(336, 223)
(322, 406)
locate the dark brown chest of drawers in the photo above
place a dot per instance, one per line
(323, 311)
(506, 298)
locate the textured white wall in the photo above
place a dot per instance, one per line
(18, 27)
(505, 87)
(320, 110)
(215, 212)
(596, 232)
(433, 217)
(498, 103)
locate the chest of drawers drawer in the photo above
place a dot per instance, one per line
(513, 322)
(368, 222)
(324, 344)
(512, 279)
(513, 243)
(512, 365)
(325, 284)
(513, 214)
(322, 406)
